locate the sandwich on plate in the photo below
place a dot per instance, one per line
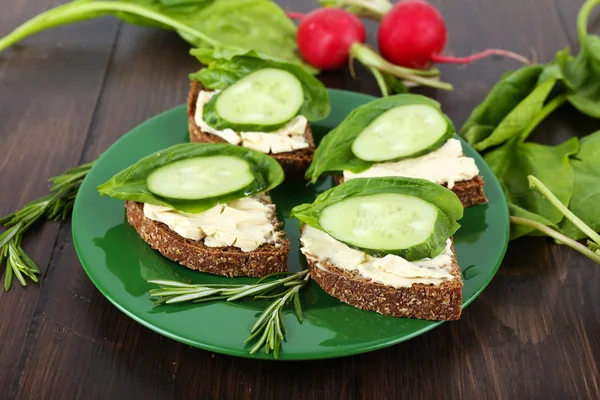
(206, 207)
(257, 103)
(385, 245)
(404, 135)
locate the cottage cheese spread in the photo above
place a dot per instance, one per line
(244, 223)
(447, 165)
(390, 270)
(287, 138)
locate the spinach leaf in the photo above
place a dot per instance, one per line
(517, 231)
(585, 202)
(519, 118)
(442, 198)
(130, 184)
(226, 66)
(515, 160)
(583, 72)
(248, 24)
(511, 90)
(335, 150)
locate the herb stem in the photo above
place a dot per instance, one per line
(544, 112)
(80, 11)
(556, 235)
(583, 17)
(537, 184)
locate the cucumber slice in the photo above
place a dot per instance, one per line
(261, 101)
(388, 223)
(200, 178)
(402, 132)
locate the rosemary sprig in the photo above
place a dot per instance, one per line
(268, 330)
(54, 206)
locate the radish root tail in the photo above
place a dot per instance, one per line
(295, 15)
(438, 58)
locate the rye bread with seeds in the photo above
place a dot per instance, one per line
(294, 163)
(470, 193)
(194, 254)
(422, 301)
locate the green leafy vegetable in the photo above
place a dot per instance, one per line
(504, 97)
(593, 249)
(515, 160)
(519, 117)
(445, 200)
(517, 231)
(586, 192)
(583, 72)
(335, 150)
(247, 24)
(225, 67)
(130, 184)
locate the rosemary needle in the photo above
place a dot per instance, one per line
(268, 331)
(54, 206)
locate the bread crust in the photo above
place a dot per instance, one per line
(470, 193)
(227, 261)
(430, 302)
(294, 163)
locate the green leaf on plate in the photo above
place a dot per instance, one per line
(335, 150)
(227, 66)
(130, 184)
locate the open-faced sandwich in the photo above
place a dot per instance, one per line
(403, 135)
(206, 207)
(385, 245)
(261, 104)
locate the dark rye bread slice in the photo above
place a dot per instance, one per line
(294, 163)
(431, 302)
(469, 192)
(228, 261)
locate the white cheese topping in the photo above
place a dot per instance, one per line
(390, 270)
(444, 165)
(287, 138)
(244, 223)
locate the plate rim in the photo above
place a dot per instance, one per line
(243, 353)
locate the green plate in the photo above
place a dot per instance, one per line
(119, 263)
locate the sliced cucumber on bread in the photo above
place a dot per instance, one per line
(408, 217)
(262, 101)
(385, 245)
(179, 198)
(404, 131)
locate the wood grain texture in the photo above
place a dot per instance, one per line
(534, 332)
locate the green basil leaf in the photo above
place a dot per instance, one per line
(226, 66)
(130, 184)
(444, 199)
(514, 161)
(585, 202)
(335, 150)
(504, 97)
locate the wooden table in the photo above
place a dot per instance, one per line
(69, 93)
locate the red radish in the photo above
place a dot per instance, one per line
(325, 35)
(413, 34)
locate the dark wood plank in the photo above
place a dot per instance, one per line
(49, 86)
(114, 356)
(531, 334)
